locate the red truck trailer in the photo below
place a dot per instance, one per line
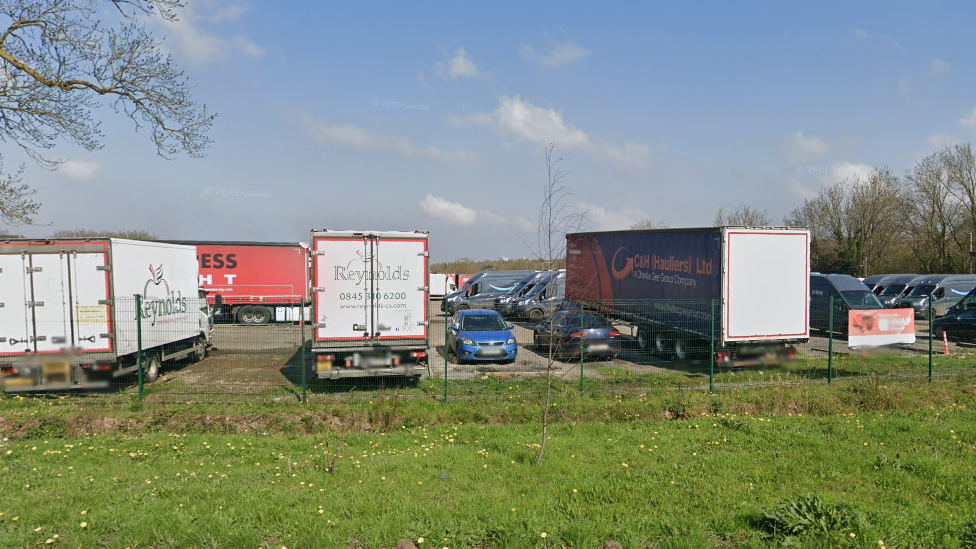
(254, 282)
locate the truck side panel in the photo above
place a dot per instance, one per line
(250, 273)
(165, 276)
(605, 267)
(15, 326)
(767, 285)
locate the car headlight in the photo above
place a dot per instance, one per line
(511, 341)
(465, 341)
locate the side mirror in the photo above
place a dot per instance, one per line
(218, 301)
(511, 326)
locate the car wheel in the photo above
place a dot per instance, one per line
(463, 307)
(151, 365)
(537, 342)
(536, 315)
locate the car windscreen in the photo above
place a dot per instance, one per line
(483, 323)
(922, 290)
(892, 290)
(862, 299)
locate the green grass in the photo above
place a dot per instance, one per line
(886, 461)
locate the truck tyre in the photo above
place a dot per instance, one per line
(260, 315)
(643, 338)
(151, 366)
(662, 345)
(682, 348)
(536, 315)
(200, 349)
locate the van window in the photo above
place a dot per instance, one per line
(862, 299)
(892, 290)
(922, 290)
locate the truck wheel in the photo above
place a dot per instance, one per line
(200, 349)
(536, 315)
(643, 338)
(682, 348)
(662, 345)
(151, 366)
(260, 315)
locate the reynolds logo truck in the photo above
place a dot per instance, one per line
(158, 300)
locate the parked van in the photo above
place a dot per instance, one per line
(504, 303)
(876, 283)
(895, 288)
(481, 293)
(848, 293)
(943, 290)
(543, 300)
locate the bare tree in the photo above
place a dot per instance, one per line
(58, 61)
(556, 220)
(645, 224)
(16, 199)
(934, 215)
(960, 165)
(743, 216)
(853, 223)
(82, 233)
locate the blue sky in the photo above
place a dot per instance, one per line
(435, 116)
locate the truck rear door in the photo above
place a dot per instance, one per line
(369, 288)
(54, 300)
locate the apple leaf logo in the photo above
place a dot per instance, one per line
(155, 279)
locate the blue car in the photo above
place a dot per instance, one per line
(480, 334)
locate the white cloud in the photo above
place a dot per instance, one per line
(560, 53)
(611, 219)
(801, 149)
(363, 139)
(940, 67)
(970, 120)
(445, 210)
(196, 35)
(941, 140)
(801, 191)
(81, 170)
(459, 66)
(861, 34)
(519, 120)
(525, 224)
(492, 217)
(846, 170)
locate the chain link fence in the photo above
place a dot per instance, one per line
(161, 352)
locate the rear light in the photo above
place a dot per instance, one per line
(576, 334)
(418, 354)
(614, 333)
(396, 361)
(7, 370)
(348, 362)
(326, 358)
(102, 367)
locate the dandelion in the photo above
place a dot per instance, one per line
(420, 540)
(853, 535)
(83, 525)
(543, 535)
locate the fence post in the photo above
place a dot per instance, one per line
(830, 342)
(711, 350)
(447, 349)
(139, 343)
(931, 318)
(582, 335)
(301, 321)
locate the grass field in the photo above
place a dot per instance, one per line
(867, 464)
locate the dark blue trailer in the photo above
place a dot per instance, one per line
(688, 290)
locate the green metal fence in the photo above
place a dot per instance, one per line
(653, 345)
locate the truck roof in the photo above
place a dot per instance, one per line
(231, 243)
(690, 230)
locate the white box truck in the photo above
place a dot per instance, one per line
(369, 299)
(68, 316)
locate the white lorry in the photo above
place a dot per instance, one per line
(68, 317)
(442, 285)
(369, 298)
